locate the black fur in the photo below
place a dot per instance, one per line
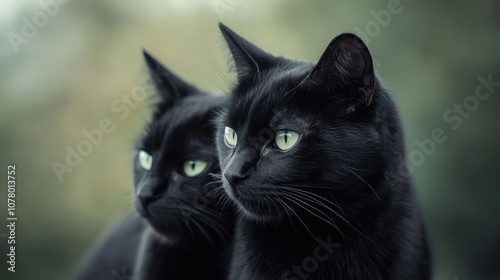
(339, 204)
(182, 231)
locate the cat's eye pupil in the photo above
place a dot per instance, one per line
(193, 168)
(286, 139)
(230, 137)
(145, 160)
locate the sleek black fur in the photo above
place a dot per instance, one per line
(182, 231)
(340, 203)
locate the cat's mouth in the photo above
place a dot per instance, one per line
(256, 202)
(151, 211)
(168, 221)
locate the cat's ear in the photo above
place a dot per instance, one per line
(169, 86)
(346, 60)
(248, 58)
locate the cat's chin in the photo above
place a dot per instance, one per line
(252, 209)
(167, 230)
(160, 224)
(257, 216)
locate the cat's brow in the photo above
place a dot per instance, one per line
(283, 119)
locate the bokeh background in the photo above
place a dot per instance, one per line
(86, 55)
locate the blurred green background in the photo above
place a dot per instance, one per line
(86, 55)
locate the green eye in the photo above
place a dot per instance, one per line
(286, 139)
(194, 167)
(230, 137)
(145, 160)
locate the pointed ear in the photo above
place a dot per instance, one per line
(248, 58)
(170, 87)
(347, 61)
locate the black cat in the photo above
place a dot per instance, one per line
(313, 156)
(182, 231)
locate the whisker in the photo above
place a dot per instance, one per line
(312, 194)
(298, 217)
(300, 203)
(364, 182)
(311, 199)
(306, 195)
(217, 188)
(286, 211)
(207, 236)
(215, 175)
(212, 64)
(215, 218)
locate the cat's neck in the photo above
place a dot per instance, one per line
(288, 244)
(278, 252)
(160, 256)
(210, 244)
(300, 235)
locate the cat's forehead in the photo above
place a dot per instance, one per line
(254, 116)
(185, 125)
(271, 100)
(283, 118)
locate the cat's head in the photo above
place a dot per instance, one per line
(176, 159)
(298, 138)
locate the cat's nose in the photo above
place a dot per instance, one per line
(148, 192)
(238, 167)
(234, 179)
